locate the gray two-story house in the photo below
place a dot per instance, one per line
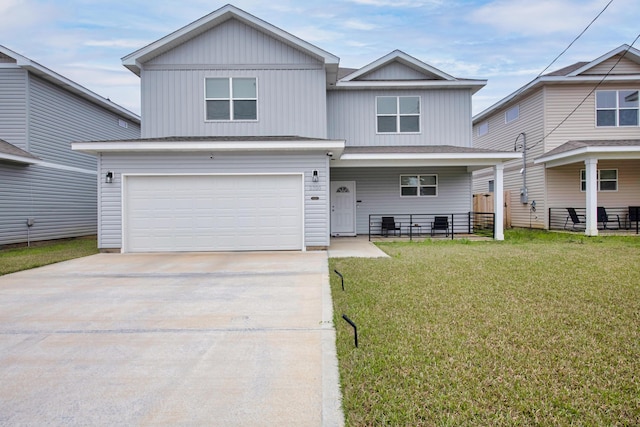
(253, 139)
(48, 191)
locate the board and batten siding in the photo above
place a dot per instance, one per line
(395, 71)
(291, 85)
(13, 107)
(445, 118)
(378, 192)
(316, 212)
(290, 102)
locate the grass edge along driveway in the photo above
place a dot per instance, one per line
(541, 329)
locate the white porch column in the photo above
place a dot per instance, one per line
(591, 169)
(498, 201)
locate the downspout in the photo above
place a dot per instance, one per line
(524, 196)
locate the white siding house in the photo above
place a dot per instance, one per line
(43, 182)
(578, 127)
(279, 146)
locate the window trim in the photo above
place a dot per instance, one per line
(398, 115)
(418, 187)
(230, 99)
(617, 109)
(583, 182)
(506, 113)
(484, 125)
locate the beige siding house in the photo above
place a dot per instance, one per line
(579, 131)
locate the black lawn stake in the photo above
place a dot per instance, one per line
(355, 328)
(342, 278)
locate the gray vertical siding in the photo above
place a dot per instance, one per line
(61, 192)
(395, 71)
(13, 106)
(291, 85)
(378, 192)
(315, 211)
(445, 117)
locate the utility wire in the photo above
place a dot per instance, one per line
(588, 95)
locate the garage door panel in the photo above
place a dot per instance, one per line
(216, 212)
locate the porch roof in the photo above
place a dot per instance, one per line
(422, 155)
(579, 151)
(11, 153)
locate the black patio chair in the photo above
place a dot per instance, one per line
(633, 216)
(389, 223)
(440, 223)
(604, 218)
(575, 219)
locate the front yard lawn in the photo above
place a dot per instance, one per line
(18, 259)
(541, 329)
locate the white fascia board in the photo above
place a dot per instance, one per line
(19, 159)
(398, 55)
(335, 146)
(134, 60)
(423, 159)
(474, 85)
(580, 154)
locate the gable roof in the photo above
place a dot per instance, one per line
(571, 74)
(66, 84)
(575, 151)
(11, 153)
(134, 60)
(434, 78)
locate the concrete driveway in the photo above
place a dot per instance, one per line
(170, 339)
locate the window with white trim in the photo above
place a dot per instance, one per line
(398, 114)
(419, 185)
(231, 98)
(607, 180)
(492, 185)
(616, 108)
(483, 128)
(512, 114)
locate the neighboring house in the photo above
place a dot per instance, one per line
(48, 191)
(253, 139)
(580, 128)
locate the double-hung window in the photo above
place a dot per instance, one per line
(607, 180)
(617, 108)
(418, 185)
(398, 114)
(231, 98)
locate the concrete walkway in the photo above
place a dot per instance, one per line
(358, 247)
(170, 339)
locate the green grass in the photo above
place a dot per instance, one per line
(18, 259)
(541, 329)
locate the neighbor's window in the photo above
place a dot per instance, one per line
(418, 185)
(231, 98)
(607, 180)
(398, 114)
(512, 113)
(492, 186)
(483, 128)
(617, 108)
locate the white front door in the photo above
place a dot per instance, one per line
(343, 208)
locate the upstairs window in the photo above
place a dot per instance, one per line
(607, 180)
(398, 114)
(512, 114)
(418, 185)
(483, 128)
(231, 98)
(616, 108)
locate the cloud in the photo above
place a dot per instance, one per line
(117, 43)
(355, 24)
(541, 17)
(398, 3)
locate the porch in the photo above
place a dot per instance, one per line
(610, 220)
(432, 225)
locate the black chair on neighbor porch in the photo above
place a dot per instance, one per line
(603, 217)
(440, 223)
(389, 223)
(633, 216)
(575, 219)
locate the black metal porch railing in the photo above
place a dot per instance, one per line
(609, 218)
(432, 225)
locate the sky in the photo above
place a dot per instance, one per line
(507, 42)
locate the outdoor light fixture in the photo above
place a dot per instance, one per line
(109, 177)
(329, 153)
(315, 178)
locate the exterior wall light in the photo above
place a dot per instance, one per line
(315, 178)
(109, 177)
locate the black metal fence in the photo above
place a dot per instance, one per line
(432, 225)
(609, 218)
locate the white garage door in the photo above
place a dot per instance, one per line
(213, 213)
